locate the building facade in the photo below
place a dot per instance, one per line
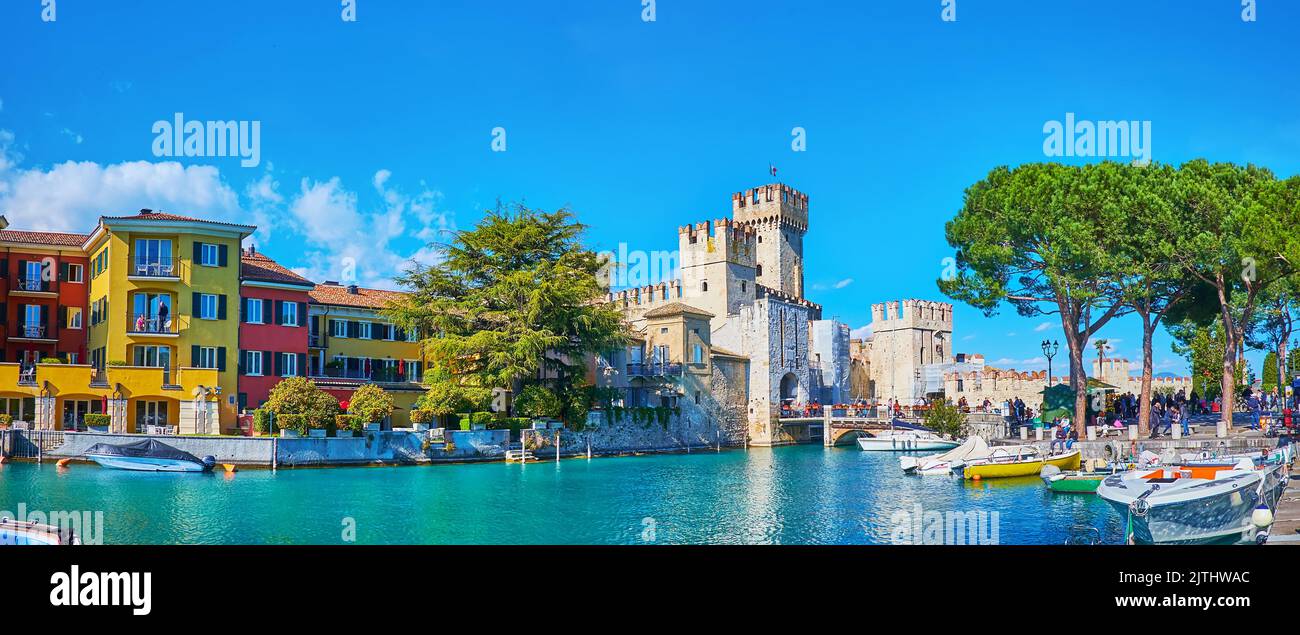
(273, 317)
(351, 343)
(43, 297)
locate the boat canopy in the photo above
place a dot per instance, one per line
(973, 448)
(151, 448)
(899, 424)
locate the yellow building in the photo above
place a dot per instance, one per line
(164, 295)
(57, 392)
(351, 343)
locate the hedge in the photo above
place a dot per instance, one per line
(98, 420)
(422, 416)
(348, 422)
(294, 422)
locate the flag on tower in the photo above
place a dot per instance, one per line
(772, 168)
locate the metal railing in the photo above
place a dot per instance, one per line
(154, 268)
(139, 323)
(31, 331)
(28, 283)
(654, 369)
(375, 374)
(315, 340)
(29, 444)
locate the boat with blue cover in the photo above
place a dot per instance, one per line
(147, 455)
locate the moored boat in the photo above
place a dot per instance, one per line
(147, 455)
(944, 463)
(905, 441)
(1023, 460)
(1201, 503)
(15, 533)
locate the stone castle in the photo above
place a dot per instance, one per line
(734, 337)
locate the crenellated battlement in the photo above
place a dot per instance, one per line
(722, 240)
(911, 313)
(647, 296)
(775, 203)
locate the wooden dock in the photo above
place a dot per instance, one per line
(1286, 520)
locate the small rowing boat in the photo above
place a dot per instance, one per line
(147, 455)
(948, 462)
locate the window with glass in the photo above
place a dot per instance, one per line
(33, 326)
(153, 257)
(153, 356)
(363, 330)
(253, 363)
(75, 273)
(207, 357)
(698, 354)
(74, 317)
(338, 328)
(254, 310)
(151, 313)
(288, 364)
(208, 306)
(289, 313)
(208, 255)
(150, 413)
(32, 278)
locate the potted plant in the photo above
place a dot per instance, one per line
(96, 422)
(346, 425)
(292, 426)
(6, 421)
(373, 404)
(421, 420)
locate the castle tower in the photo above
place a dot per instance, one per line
(778, 214)
(905, 336)
(717, 265)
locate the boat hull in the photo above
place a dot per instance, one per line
(1076, 484)
(1223, 517)
(146, 464)
(903, 444)
(1011, 469)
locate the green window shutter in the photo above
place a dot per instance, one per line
(196, 304)
(198, 252)
(221, 359)
(302, 364)
(302, 314)
(222, 255)
(194, 355)
(279, 311)
(221, 307)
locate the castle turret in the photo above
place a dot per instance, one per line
(779, 215)
(718, 263)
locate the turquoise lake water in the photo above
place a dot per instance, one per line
(791, 495)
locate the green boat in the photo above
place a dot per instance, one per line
(1072, 482)
(1076, 482)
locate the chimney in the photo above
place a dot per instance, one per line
(146, 211)
(352, 288)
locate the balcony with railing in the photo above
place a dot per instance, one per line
(144, 324)
(34, 284)
(31, 332)
(655, 369)
(158, 267)
(381, 375)
(315, 340)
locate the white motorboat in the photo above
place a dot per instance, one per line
(972, 449)
(1196, 503)
(147, 455)
(905, 441)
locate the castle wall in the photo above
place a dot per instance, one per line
(905, 336)
(779, 215)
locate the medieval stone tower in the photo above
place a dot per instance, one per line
(904, 337)
(778, 214)
(718, 263)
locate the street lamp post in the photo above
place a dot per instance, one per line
(1049, 351)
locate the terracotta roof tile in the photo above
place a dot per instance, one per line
(363, 298)
(675, 308)
(150, 215)
(260, 268)
(60, 239)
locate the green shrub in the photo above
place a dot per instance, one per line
(422, 416)
(6, 420)
(116, 362)
(537, 402)
(295, 422)
(97, 420)
(348, 422)
(481, 419)
(51, 360)
(300, 396)
(513, 424)
(262, 421)
(371, 403)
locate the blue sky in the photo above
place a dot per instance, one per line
(375, 135)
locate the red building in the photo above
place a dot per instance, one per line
(272, 326)
(43, 296)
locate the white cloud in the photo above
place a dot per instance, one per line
(861, 333)
(71, 196)
(323, 226)
(76, 138)
(843, 283)
(1042, 327)
(967, 338)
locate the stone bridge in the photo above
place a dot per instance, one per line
(839, 427)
